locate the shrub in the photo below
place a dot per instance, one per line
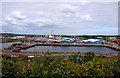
(89, 56)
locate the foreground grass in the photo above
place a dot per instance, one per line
(54, 67)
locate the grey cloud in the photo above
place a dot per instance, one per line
(74, 18)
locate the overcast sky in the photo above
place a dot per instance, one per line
(72, 18)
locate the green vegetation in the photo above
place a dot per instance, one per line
(76, 65)
(8, 40)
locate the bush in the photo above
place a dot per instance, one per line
(89, 56)
(54, 67)
(10, 69)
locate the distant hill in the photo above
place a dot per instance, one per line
(31, 35)
(12, 34)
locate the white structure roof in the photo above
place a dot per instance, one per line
(92, 40)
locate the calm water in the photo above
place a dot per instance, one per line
(70, 49)
(64, 48)
(5, 45)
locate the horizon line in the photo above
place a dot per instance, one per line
(58, 34)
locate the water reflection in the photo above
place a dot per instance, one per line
(63, 48)
(70, 49)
